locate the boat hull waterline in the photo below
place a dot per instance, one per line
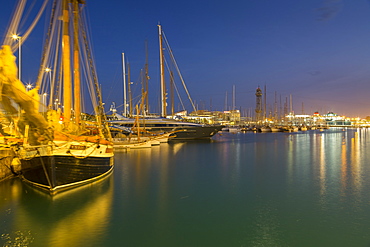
(195, 133)
(62, 168)
(182, 130)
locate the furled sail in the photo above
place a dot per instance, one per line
(11, 88)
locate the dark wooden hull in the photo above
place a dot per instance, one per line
(60, 172)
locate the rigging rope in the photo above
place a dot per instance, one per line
(46, 50)
(101, 117)
(178, 70)
(14, 25)
(37, 18)
(177, 91)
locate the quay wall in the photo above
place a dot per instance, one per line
(6, 159)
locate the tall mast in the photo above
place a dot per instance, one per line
(280, 110)
(225, 106)
(66, 65)
(124, 86)
(163, 84)
(291, 104)
(264, 104)
(129, 89)
(142, 75)
(172, 85)
(76, 63)
(275, 108)
(146, 78)
(233, 97)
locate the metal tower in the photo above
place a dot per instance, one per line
(258, 109)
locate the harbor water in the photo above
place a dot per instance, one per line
(308, 188)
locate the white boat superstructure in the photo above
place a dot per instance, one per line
(179, 130)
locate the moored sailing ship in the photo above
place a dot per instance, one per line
(180, 130)
(62, 147)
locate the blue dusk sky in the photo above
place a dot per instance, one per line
(317, 51)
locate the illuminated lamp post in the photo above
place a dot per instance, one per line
(28, 87)
(16, 37)
(44, 101)
(48, 70)
(56, 104)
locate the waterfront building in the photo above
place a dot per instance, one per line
(233, 117)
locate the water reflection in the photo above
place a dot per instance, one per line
(276, 189)
(71, 218)
(322, 167)
(335, 160)
(267, 230)
(356, 156)
(344, 167)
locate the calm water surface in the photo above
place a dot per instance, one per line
(267, 189)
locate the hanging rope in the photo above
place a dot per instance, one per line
(177, 91)
(14, 25)
(178, 70)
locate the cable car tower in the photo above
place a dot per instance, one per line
(258, 109)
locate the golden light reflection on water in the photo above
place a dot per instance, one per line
(344, 169)
(335, 159)
(71, 218)
(322, 166)
(9, 195)
(355, 173)
(149, 181)
(260, 188)
(20, 237)
(290, 159)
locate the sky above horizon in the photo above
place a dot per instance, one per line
(317, 51)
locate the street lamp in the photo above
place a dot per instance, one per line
(44, 101)
(56, 103)
(16, 37)
(29, 87)
(48, 70)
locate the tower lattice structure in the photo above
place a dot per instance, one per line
(258, 109)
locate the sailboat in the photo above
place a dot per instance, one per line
(62, 147)
(137, 137)
(180, 130)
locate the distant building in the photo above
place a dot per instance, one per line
(214, 117)
(233, 117)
